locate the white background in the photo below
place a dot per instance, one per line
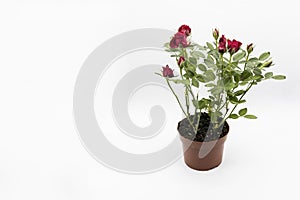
(42, 47)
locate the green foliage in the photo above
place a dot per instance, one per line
(239, 56)
(233, 116)
(268, 75)
(264, 56)
(202, 67)
(197, 54)
(195, 82)
(210, 46)
(243, 111)
(209, 75)
(250, 116)
(279, 77)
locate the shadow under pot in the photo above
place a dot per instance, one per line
(202, 151)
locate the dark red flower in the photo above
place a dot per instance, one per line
(181, 60)
(185, 29)
(233, 46)
(216, 33)
(167, 72)
(178, 39)
(222, 44)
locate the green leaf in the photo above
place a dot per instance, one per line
(279, 77)
(209, 75)
(214, 53)
(257, 77)
(189, 74)
(233, 116)
(253, 60)
(245, 75)
(241, 101)
(198, 54)
(236, 78)
(243, 83)
(216, 91)
(202, 67)
(257, 71)
(233, 99)
(229, 85)
(209, 63)
(250, 116)
(268, 75)
(264, 56)
(210, 46)
(193, 60)
(210, 85)
(239, 93)
(201, 78)
(204, 103)
(195, 83)
(190, 67)
(239, 56)
(200, 47)
(243, 112)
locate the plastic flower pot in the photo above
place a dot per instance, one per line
(204, 155)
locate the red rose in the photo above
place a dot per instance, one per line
(185, 29)
(167, 72)
(178, 39)
(222, 44)
(233, 46)
(180, 60)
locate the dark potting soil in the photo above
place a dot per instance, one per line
(205, 131)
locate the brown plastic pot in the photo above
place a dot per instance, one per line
(203, 156)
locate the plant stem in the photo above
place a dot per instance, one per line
(198, 120)
(247, 57)
(168, 82)
(187, 101)
(219, 107)
(225, 118)
(198, 115)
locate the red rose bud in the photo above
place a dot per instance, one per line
(180, 60)
(222, 44)
(167, 72)
(178, 39)
(250, 48)
(185, 29)
(216, 33)
(233, 46)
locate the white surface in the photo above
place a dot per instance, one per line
(42, 47)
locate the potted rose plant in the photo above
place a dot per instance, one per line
(222, 73)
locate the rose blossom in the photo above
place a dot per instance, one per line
(178, 39)
(222, 44)
(233, 46)
(167, 72)
(185, 29)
